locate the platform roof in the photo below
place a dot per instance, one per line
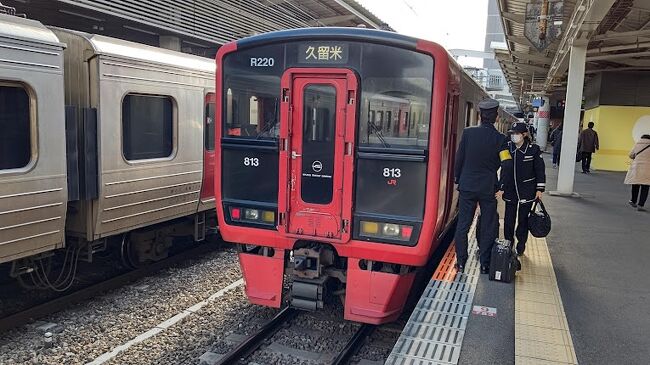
(199, 23)
(616, 32)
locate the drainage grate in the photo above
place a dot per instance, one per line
(434, 333)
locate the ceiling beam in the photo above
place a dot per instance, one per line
(530, 57)
(517, 18)
(351, 9)
(333, 20)
(622, 47)
(618, 56)
(524, 66)
(525, 42)
(611, 35)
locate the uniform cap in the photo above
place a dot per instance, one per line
(518, 127)
(488, 104)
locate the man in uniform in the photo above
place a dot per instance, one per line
(480, 154)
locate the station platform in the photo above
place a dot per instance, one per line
(582, 295)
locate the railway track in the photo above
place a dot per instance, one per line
(255, 341)
(62, 302)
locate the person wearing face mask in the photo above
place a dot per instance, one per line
(522, 184)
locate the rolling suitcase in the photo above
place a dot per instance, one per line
(504, 262)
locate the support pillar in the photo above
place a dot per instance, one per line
(543, 114)
(566, 174)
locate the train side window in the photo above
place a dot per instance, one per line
(147, 126)
(15, 124)
(209, 121)
(469, 108)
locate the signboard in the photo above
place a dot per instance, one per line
(543, 23)
(323, 53)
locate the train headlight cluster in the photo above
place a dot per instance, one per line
(390, 231)
(250, 215)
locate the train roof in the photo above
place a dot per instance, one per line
(108, 46)
(321, 33)
(15, 27)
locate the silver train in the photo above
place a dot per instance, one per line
(100, 144)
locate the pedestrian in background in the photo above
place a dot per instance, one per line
(639, 173)
(588, 144)
(555, 139)
(481, 152)
(523, 181)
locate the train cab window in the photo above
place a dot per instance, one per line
(401, 84)
(252, 107)
(254, 110)
(147, 126)
(209, 121)
(15, 120)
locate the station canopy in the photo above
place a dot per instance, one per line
(616, 33)
(200, 24)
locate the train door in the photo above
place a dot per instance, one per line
(316, 144)
(207, 187)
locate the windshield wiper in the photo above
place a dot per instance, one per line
(377, 131)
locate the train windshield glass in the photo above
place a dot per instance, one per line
(396, 87)
(251, 95)
(396, 98)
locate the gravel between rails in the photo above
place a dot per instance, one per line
(91, 328)
(206, 330)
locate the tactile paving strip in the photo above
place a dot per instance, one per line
(541, 330)
(434, 333)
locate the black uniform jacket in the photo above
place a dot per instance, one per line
(481, 152)
(526, 174)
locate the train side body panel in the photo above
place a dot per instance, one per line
(122, 78)
(33, 194)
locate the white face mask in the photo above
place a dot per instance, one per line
(516, 138)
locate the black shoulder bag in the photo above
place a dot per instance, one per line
(539, 222)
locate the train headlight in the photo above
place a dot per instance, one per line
(369, 228)
(251, 214)
(390, 230)
(268, 216)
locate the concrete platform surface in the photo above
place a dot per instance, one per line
(584, 296)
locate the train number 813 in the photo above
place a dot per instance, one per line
(251, 161)
(388, 172)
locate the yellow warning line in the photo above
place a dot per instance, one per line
(541, 330)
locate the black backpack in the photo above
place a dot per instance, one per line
(539, 222)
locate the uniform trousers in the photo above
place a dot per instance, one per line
(517, 213)
(486, 232)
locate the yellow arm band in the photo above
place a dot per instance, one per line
(505, 155)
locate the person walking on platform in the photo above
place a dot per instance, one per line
(639, 173)
(481, 152)
(555, 139)
(588, 144)
(523, 183)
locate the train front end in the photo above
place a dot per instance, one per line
(328, 165)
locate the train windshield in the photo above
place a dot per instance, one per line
(396, 98)
(396, 88)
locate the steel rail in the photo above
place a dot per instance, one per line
(254, 341)
(355, 343)
(63, 302)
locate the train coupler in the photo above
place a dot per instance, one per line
(308, 294)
